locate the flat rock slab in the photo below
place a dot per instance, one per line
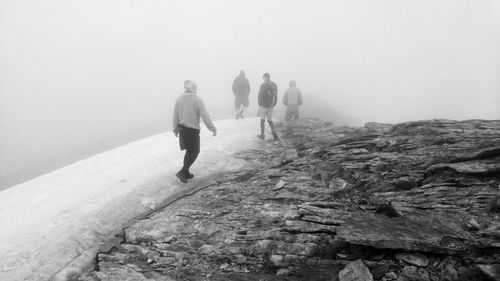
(424, 232)
(355, 271)
(414, 259)
(473, 167)
(280, 218)
(491, 270)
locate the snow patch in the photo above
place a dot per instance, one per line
(62, 217)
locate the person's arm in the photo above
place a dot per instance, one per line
(259, 97)
(300, 98)
(248, 87)
(175, 119)
(275, 94)
(234, 87)
(285, 98)
(205, 116)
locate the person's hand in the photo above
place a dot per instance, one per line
(215, 132)
(176, 133)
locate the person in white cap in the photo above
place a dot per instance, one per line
(188, 109)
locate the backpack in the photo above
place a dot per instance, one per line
(267, 97)
(270, 91)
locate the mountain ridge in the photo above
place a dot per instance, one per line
(410, 201)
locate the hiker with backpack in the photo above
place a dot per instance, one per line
(188, 109)
(241, 90)
(268, 96)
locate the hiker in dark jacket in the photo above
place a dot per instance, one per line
(186, 123)
(268, 96)
(241, 90)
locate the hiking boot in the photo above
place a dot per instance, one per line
(276, 139)
(262, 137)
(189, 176)
(275, 136)
(182, 177)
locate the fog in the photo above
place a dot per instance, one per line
(80, 77)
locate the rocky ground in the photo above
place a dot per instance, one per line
(411, 201)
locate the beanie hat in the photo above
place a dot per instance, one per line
(190, 86)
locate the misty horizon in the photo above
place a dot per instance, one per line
(78, 78)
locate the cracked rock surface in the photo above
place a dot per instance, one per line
(411, 201)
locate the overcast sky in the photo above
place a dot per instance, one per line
(75, 74)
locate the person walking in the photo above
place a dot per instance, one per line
(241, 90)
(292, 98)
(268, 96)
(188, 109)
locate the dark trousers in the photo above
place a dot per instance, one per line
(241, 100)
(189, 140)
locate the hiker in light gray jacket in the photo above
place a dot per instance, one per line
(186, 123)
(292, 98)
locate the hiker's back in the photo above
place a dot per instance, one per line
(267, 94)
(293, 96)
(241, 86)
